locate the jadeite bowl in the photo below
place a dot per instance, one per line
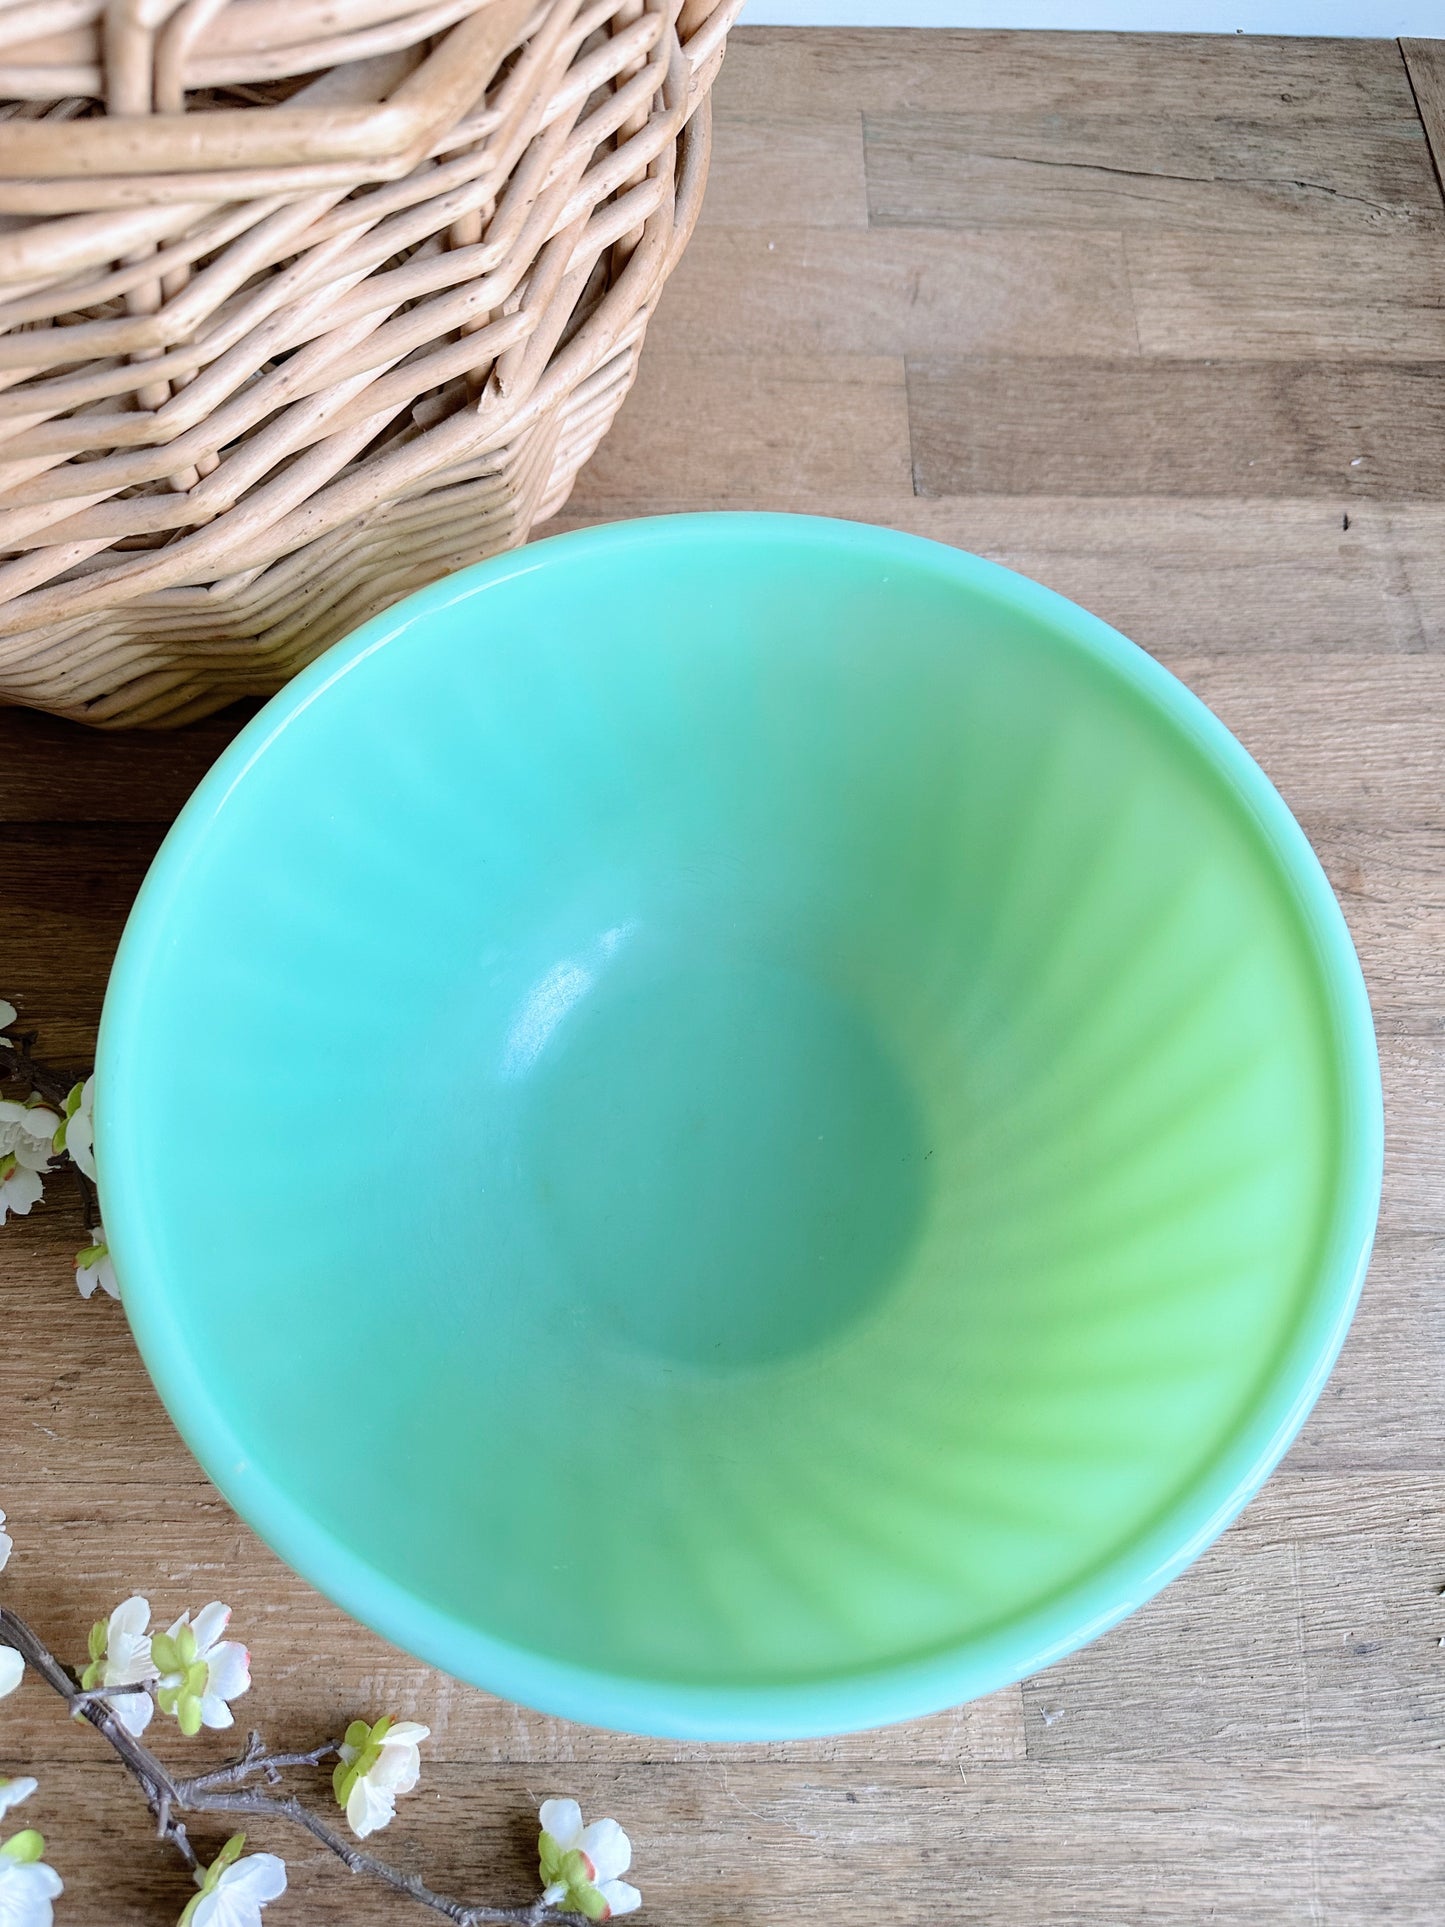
(738, 1126)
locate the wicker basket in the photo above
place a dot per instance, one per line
(303, 302)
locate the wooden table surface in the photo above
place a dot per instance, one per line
(1161, 322)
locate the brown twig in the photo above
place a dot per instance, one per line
(273, 1806)
(143, 1766)
(256, 1759)
(223, 1791)
(40, 1080)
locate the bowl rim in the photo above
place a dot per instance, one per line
(1069, 1617)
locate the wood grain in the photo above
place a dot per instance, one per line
(1425, 64)
(1288, 296)
(139, 778)
(754, 429)
(806, 173)
(1381, 1410)
(1071, 426)
(877, 291)
(1322, 1617)
(803, 167)
(1128, 1845)
(1135, 78)
(1223, 174)
(1261, 1744)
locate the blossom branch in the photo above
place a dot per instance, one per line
(93, 1707)
(40, 1080)
(256, 1759)
(222, 1791)
(357, 1860)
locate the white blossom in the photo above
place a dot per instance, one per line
(378, 1763)
(199, 1671)
(234, 1890)
(580, 1865)
(27, 1885)
(12, 1670)
(27, 1130)
(12, 1792)
(26, 1134)
(120, 1656)
(20, 1187)
(75, 1132)
(7, 1544)
(95, 1268)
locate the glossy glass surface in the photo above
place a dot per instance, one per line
(791, 1126)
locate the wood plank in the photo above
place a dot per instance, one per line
(895, 291)
(779, 428)
(1207, 574)
(49, 771)
(1383, 1408)
(65, 903)
(805, 171)
(1220, 576)
(1413, 1201)
(1311, 1630)
(1335, 796)
(1075, 426)
(480, 1840)
(1412, 1071)
(1226, 174)
(1279, 1844)
(1392, 891)
(1137, 77)
(1425, 64)
(1288, 296)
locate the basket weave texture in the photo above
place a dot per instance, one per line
(303, 302)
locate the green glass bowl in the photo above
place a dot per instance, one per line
(738, 1126)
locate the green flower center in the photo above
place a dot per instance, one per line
(186, 1678)
(364, 1744)
(573, 1870)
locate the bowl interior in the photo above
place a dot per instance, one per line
(729, 1107)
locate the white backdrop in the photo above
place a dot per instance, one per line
(1371, 18)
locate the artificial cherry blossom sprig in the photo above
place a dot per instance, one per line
(192, 1673)
(55, 1119)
